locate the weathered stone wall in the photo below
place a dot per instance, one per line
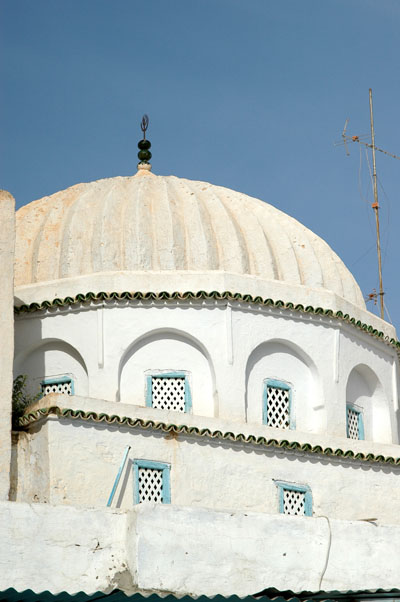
(189, 551)
(7, 243)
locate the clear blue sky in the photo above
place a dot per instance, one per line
(248, 94)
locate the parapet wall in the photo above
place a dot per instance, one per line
(159, 548)
(7, 244)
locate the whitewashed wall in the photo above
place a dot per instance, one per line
(7, 243)
(189, 551)
(228, 351)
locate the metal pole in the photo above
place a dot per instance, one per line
(375, 206)
(117, 478)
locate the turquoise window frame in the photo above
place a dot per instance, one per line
(279, 384)
(59, 381)
(166, 480)
(359, 412)
(284, 486)
(188, 395)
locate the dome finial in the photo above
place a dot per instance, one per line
(144, 145)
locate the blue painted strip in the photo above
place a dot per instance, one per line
(55, 381)
(361, 435)
(169, 375)
(151, 464)
(136, 497)
(149, 395)
(110, 499)
(166, 486)
(188, 396)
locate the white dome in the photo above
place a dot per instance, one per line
(167, 225)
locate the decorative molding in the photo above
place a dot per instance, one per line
(182, 429)
(102, 296)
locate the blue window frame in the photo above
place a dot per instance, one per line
(151, 482)
(278, 404)
(295, 500)
(168, 391)
(59, 384)
(354, 422)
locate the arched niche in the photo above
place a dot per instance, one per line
(52, 359)
(364, 391)
(168, 351)
(282, 361)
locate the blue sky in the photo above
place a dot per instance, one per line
(248, 94)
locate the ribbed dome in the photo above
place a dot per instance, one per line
(149, 223)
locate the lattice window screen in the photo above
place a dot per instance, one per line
(168, 393)
(150, 485)
(278, 410)
(55, 387)
(294, 502)
(353, 418)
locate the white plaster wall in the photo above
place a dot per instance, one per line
(280, 362)
(156, 548)
(219, 343)
(7, 242)
(84, 459)
(61, 548)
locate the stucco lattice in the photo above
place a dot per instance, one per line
(64, 387)
(150, 485)
(168, 393)
(278, 407)
(352, 424)
(293, 502)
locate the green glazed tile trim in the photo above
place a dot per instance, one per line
(183, 429)
(203, 295)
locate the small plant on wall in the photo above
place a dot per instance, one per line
(21, 399)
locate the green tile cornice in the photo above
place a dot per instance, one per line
(90, 297)
(193, 431)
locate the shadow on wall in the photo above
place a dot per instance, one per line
(282, 361)
(365, 392)
(168, 350)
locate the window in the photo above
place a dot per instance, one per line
(151, 482)
(354, 422)
(61, 384)
(277, 404)
(169, 391)
(295, 500)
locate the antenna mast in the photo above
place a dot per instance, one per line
(346, 139)
(375, 205)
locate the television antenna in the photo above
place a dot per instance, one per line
(346, 139)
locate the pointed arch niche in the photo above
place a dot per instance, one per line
(282, 361)
(169, 351)
(364, 391)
